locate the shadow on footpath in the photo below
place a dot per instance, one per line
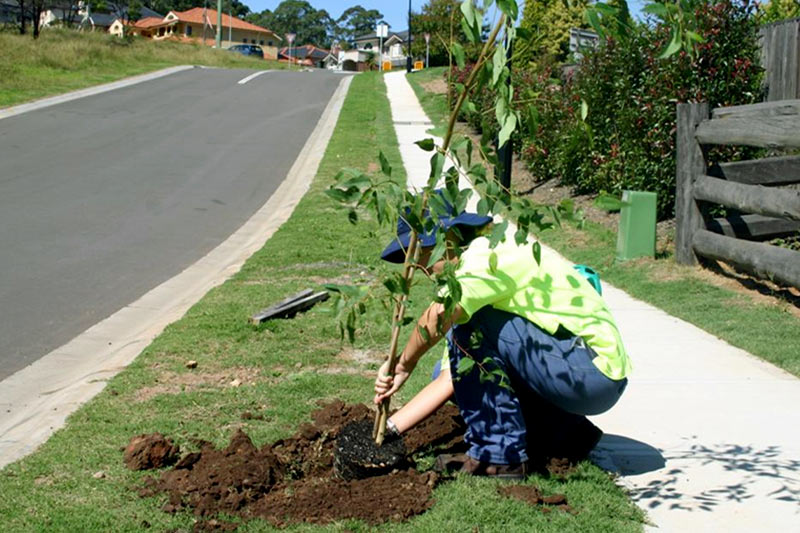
(753, 466)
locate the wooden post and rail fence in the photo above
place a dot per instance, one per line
(749, 187)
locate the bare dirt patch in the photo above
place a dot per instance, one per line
(175, 383)
(437, 86)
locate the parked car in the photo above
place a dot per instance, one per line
(247, 50)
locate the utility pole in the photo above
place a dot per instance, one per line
(382, 30)
(408, 40)
(230, 26)
(219, 24)
(427, 48)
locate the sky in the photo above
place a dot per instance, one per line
(395, 12)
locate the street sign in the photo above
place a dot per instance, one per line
(382, 30)
(290, 37)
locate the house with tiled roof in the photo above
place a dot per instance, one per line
(200, 24)
(308, 55)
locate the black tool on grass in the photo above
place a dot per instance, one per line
(292, 305)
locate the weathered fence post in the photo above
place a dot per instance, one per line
(690, 163)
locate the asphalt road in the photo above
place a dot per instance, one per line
(106, 197)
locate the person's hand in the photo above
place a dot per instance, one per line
(386, 385)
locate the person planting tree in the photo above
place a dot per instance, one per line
(532, 344)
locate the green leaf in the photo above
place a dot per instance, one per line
(437, 164)
(438, 250)
(386, 168)
(468, 10)
(674, 45)
(498, 233)
(338, 195)
(508, 128)
(607, 202)
(458, 53)
(423, 332)
(426, 144)
(493, 262)
(467, 29)
(465, 365)
(483, 207)
(656, 9)
(695, 37)
(520, 236)
(498, 63)
(537, 252)
(584, 110)
(509, 7)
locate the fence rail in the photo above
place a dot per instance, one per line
(746, 186)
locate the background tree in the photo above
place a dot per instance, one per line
(548, 23)
(311, 26)
(357, 21)
(776, 10)
(435, 18)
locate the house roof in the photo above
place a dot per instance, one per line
(107, 19)
(402, 35)
(305, 51)
(150, 22)
(195, 16)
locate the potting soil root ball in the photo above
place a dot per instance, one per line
(356, 456)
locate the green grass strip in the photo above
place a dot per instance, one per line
(66, 60)
(284, 368)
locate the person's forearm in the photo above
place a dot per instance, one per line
(435, 324)
(421, 406)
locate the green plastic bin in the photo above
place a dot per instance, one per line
(637, 225)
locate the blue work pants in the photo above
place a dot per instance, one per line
(548, 380)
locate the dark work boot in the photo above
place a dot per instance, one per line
(463, 463)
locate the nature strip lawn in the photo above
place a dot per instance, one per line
(764, 327)
(283, 368)
(66, 60)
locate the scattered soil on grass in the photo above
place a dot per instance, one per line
(293, 480)
(532, 495)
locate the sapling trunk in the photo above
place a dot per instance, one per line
(409, 266)
(413, 251)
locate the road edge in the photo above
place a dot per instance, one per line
(37, 400)
(13, 111)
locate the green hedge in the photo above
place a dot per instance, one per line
(627, 138)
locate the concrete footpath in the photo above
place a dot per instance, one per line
(706, 437)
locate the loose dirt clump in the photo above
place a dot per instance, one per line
(150, 451)
(532, 495)
(293, 480)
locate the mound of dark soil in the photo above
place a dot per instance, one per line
(150, 451)
(293, 480)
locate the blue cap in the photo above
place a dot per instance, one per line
(396, 250)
